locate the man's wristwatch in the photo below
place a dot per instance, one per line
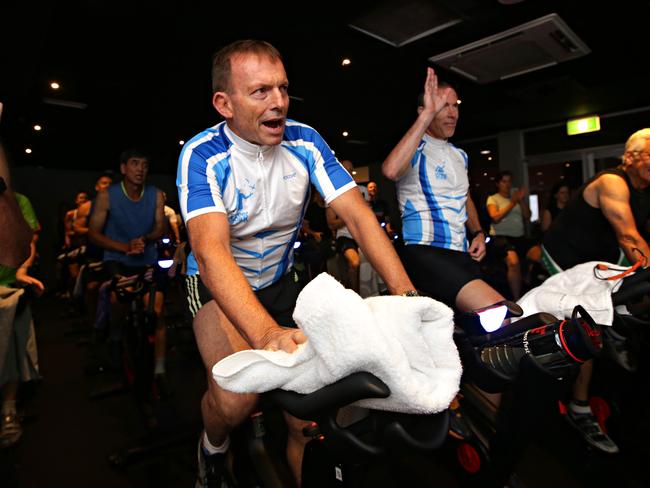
(410, 293)
(475, 233)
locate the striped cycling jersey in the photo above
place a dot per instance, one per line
(432, 196)
(263, 190)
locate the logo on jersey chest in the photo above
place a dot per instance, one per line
(241, 215)
(440, 172)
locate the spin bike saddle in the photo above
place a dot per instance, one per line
(377, 433)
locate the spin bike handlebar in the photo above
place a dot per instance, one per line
(554, 346)
(375, 434)
(633, 287)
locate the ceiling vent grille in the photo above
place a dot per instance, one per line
(528, 47)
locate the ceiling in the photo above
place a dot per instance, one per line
(141, 72)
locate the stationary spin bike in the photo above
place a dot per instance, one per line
(531, 358)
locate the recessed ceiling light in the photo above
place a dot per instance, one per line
(346, 62)
(345, 133)
(489, 158)
(485, 151)
(567, 164)
(54, 85)
(484, 174)
(37, 127)
(28, 151)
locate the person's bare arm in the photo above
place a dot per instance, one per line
(523, 203)
(308, 231)
(210, 241)
(15, 234)
(159, 223)
(173, 223)
(498, 215)
(477, 244)
(67, 228)
(334, 222)
(80, 225)
(22, 273)
(398, 161)
(613, 199)
(372, 239)
(547, 219)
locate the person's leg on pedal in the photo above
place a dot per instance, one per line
(353, 261)
(160, 344)
(221, 410)
(580, 416)
(296, 442)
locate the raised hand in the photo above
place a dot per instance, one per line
(435, 99)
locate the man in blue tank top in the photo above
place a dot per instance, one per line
(127, 219)
(243, 191)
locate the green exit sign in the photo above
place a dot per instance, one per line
(581, 126)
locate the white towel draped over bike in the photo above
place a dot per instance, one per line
(560, 293)
(405, 341)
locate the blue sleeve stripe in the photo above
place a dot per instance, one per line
(191, 177)
(318, 154)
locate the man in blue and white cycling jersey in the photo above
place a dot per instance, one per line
(437, 210)
(243, 190)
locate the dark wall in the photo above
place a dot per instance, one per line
(52, 192)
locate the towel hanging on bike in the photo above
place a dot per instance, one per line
(578, 285)
(405, 341)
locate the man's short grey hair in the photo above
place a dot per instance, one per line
(637, 141)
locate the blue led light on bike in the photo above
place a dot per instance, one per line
(383, 224)
(487, 239)
(297, 244)
(165, 263)
(492, 318)
(166, 240)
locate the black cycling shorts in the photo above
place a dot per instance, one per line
(279, 299)
(439, 273)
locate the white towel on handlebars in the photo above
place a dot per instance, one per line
(405, 341)
(560, 293)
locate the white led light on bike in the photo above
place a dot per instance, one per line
(297, 244)
(165, 263)
(492, 318)
(166, 240)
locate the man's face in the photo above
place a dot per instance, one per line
(257, 101)
(103, 183)
(81, 198)
(135, 170)
(372, 189)
(443, 125)
(638, 163)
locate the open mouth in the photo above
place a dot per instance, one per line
(273, 124)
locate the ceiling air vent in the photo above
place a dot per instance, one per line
(528, 47)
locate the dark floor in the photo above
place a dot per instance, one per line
(68, 438)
